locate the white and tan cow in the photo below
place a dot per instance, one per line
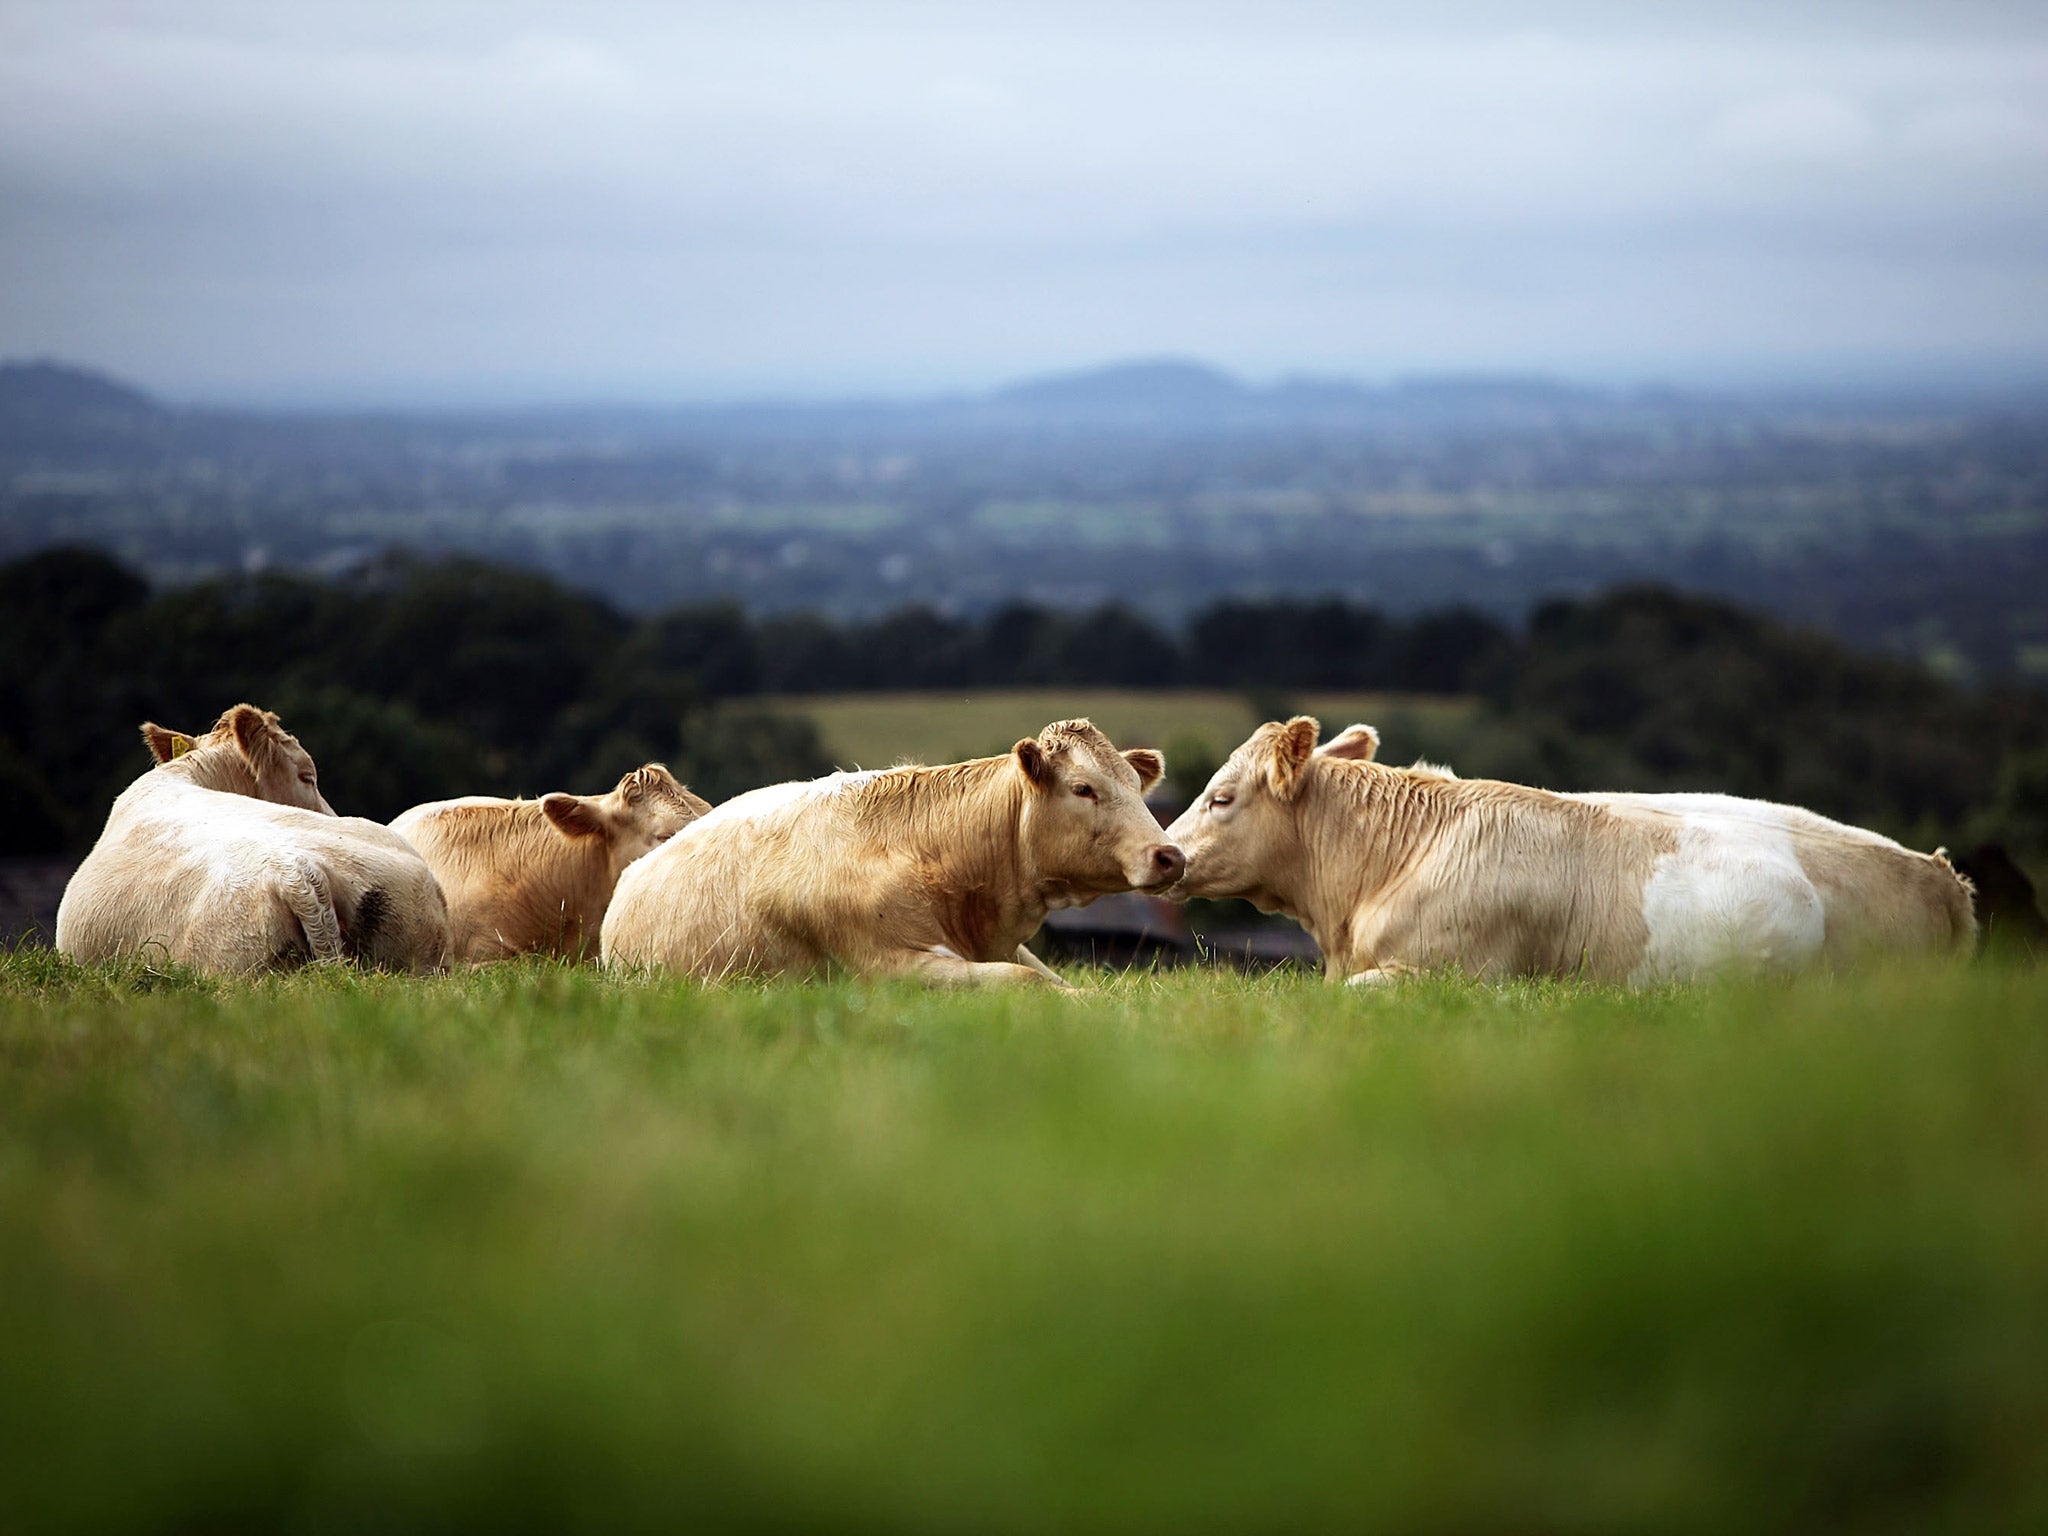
(934, 872)
(225, 857)
(1395, 870)
(535, 876)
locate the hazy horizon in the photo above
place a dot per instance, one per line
(308, 204)
(1959, 380)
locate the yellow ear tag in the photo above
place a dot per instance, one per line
(180, 745)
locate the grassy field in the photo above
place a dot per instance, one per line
(873, 730)
(542, 1248)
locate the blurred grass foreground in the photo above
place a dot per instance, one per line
(543, 1248)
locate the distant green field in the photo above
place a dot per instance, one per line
(873, 730)
(539, 1248)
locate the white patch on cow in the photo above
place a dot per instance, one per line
(838, 783)
(944, 953)
(1748, 814)
(772, 799)
(754, 805)
(1731, 896)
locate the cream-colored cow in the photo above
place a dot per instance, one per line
(225, 857)
(1394, 870)
(535, 876)
(933, 872)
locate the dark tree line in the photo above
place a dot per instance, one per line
(415, 679)
(1325, 644)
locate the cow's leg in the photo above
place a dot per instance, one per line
(1379, 976)
(942, 966)
(1025, 957)
(303, 885)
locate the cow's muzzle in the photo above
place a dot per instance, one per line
(1164, 866)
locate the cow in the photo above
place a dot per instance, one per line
(225, 857)
(535, 876)
(1399, 870)
(934, 872)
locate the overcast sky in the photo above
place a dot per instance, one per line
(409, 202)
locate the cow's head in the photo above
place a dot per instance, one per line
(246, 753)
(647, 808)
(1086, 829)
(1241, 835)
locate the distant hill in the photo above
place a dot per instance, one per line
(46, 403)
(1180, 389)
(48, 392)
(1164, 384)
(56, 417)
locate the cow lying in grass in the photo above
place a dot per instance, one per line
(934, 872)
(225, 857)
(1395, 870)
(535, 876)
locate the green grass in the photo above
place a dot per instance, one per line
(873, 730)
(542, 1248)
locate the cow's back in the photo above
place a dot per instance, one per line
(1868, 892)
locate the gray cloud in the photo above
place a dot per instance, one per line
(294, 201)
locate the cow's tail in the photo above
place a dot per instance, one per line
(366, 927)
(1959, 904)
(304, 886)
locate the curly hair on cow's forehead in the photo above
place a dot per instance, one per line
(654, 781)
(1073, 733)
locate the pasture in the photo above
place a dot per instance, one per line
(540, 1247)
(874, 730)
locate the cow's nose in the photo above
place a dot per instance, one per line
(1168, 863)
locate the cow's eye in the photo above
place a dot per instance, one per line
(1085, 791)
(1220, 799)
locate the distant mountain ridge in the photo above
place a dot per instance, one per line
(1165, 387)
(53, 416)
(53, 391)
(44, 394)
(1161, 382)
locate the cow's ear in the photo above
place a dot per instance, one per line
(1356, 742)
(572, 815)
(1150, 765)
(165, 744)
(264, 745)
(254, 730)
(1293, 744)
(257, 736)
(1032, 759)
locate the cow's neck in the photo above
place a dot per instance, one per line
(218, 766)
(988, 898)
(574, 876)
(1363, 827)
